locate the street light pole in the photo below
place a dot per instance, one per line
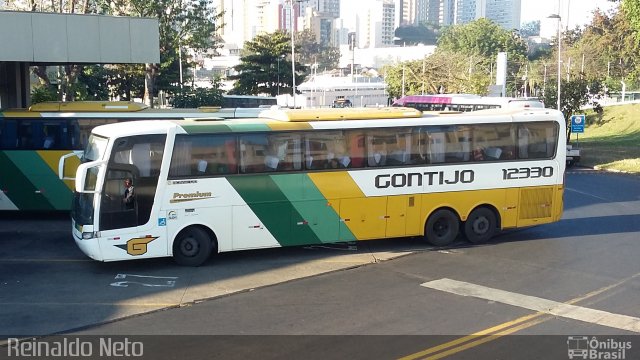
(559, 60)
(555, 16)
(293, 55)
(180, 61)
(278, 75)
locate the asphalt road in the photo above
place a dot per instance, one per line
(575, 278)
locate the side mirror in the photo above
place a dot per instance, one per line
(87, 176)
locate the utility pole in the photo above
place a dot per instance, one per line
(293, 55)
(352, 47)
(423, 68)
(403, 80)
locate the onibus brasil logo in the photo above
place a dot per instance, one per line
(583, 347)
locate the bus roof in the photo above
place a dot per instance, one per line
(123, 110)
(267, 124)
(332, 114)
(84, 106)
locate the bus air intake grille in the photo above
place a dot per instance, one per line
(536, 203)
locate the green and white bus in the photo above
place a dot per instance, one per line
(298, 177)
(32, 142)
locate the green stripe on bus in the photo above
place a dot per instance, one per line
(316, 212)
(274, 210)
(237, 127)
(43, 178)
(205, 129)
(18, 188)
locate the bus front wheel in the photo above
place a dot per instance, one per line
(442, 228)
(480, 225)
(192, 247)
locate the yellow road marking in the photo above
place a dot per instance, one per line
(485, 339)
(510, 327)
(476, 335)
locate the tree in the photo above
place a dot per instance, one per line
(420, 34)
(265, 67)
(182, 24)
(574, 94)
(446, 72)
(485, 39)
(482, 37)
(312, 52)
(193, 97)
(631, 10)
(617, 49)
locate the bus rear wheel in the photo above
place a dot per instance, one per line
(192, 247)
(442, 228)
(480, 225)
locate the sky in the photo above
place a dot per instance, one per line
(580, 10)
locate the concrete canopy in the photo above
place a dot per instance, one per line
(69, 38)
(29, 38)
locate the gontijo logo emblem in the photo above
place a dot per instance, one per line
(137, 246)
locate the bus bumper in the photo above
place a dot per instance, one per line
(89, 247)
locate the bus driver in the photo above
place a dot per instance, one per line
(129, 195)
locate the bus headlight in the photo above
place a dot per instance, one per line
(87, 235)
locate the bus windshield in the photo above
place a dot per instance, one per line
(96, 148)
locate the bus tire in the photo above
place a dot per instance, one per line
(480, 225)
(192, 247)
(442, 228)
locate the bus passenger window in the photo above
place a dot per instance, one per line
(537, 141)
(51, 136)
(326, 150)
(356, 149)
(377, 149)
(436, 147)
(457, 147)
(283, 152)
(25, 136)
(252, 153)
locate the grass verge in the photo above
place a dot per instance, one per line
(612, 141)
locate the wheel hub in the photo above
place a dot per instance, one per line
(481, 226)
(189, 247)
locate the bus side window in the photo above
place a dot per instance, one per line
(8, 134)
(52, 134)
(537, 141)
(326, 150)
(457, 146)
(376, 148)
(356, 148)
(75, 141)
(283, 152)
(436, 141)
(25, 136)
(252, 153)
(401, 151)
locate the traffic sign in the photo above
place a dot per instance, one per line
(577, 123)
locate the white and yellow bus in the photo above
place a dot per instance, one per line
(298, 177)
